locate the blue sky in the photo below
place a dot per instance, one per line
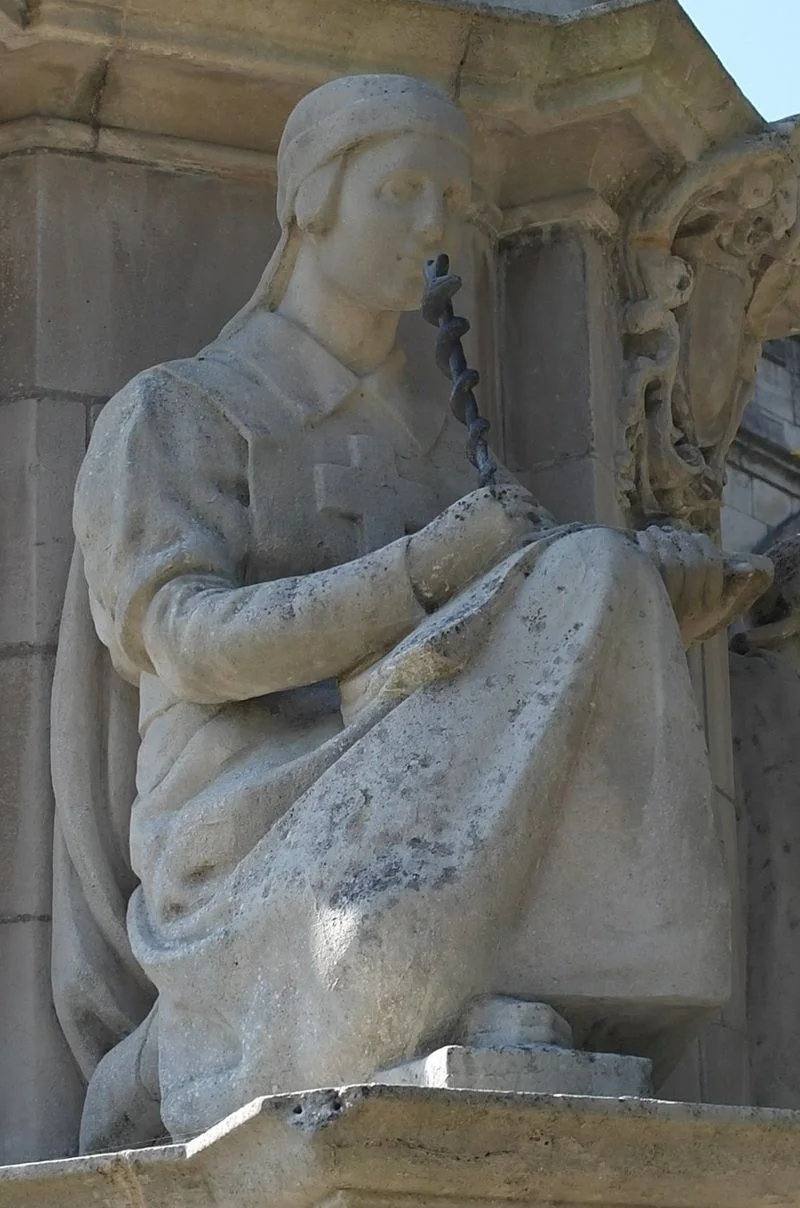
(759, 43)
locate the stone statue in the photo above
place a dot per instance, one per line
(404, 745)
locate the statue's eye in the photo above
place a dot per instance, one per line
(402, 186)
(457, 200)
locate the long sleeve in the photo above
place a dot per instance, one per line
(161, 514)
(210, 643)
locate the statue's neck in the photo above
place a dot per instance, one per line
(361, 339)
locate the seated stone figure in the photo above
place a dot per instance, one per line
(403, 744)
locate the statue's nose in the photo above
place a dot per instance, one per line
(431, 218)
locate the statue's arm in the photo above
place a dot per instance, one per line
(209, 641)
(162, 517)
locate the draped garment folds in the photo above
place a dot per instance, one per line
(508, 796)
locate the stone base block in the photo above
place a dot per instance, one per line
(543, 1069)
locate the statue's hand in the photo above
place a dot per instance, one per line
(469, 537)
(707, 587)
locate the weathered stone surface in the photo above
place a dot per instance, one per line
(645, 66)
(26, 799)
(112, 267)
(708, 255)
(361, 1147)
(295, 447)
(765, 684)
(582, 109)
(543, 1069)
(580, 489)
(42, 444)
(42, 1094)
(740, 532)
(559, 410)
(766, 711)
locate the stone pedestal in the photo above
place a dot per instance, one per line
(540, 1068)
(390, 1147)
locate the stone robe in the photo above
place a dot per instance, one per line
(343, 840)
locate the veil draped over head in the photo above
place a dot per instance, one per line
(324, 127)
(101, 994)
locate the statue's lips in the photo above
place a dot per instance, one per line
(413, 264)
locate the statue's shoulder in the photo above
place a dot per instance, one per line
(264, 380)
(168, 389)
(215, 388)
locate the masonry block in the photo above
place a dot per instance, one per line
(42, 442)
(111, 267)
(26, 799)
(42, 1092)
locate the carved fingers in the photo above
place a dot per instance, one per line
(469, 537)
(706, 586)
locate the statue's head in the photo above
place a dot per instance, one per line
(374, 177)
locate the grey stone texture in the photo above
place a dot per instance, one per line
(41, 1091)
(614, 899)
(765, 683)
(104, 266)
(762, 494)
(557, 426)
(539, 1069)
(113, 267)
(766, 699)
(389, 1146)
(137, 212)
(41, 444)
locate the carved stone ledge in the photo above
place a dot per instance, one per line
(710, 260)
(585, 209)
(154, 150)
(388, 1147)
(558, 102)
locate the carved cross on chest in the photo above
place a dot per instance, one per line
(370, 492)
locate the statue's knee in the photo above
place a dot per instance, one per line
(612, 564)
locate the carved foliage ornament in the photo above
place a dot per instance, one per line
(708, 263)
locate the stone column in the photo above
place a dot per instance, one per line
(716, 1066)
(561, 355)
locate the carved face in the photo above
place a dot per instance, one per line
(401, 201)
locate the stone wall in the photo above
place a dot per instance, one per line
(762, 496)
(762, 506)
(107, 267)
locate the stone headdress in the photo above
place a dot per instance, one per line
(325, 126)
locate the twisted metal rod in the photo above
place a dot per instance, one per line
(437, 309)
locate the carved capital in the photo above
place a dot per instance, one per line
(710, 261)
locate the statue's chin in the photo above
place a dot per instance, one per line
(402, 303)
(412, 297)
(406, 294)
